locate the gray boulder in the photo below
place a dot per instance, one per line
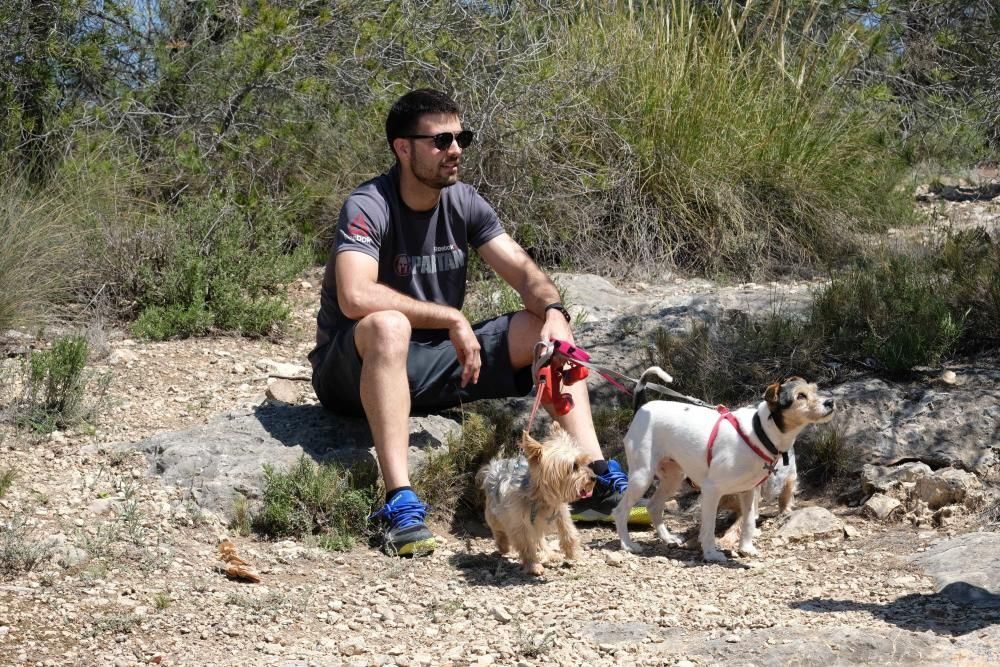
(966, 568)
(225, 457)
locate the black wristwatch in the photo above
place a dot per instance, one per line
(561, 308)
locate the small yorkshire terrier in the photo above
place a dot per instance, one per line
(526, 495)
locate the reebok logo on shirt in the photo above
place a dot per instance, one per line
(357, 229)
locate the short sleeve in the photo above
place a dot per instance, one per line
(484, 223)
(361, 225)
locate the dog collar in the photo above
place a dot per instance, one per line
(758, 430)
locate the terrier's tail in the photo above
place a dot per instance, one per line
(639, 395)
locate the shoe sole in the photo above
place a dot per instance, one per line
(423, 547)
(637, 515)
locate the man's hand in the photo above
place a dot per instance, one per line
(467, 348)
(555, 327)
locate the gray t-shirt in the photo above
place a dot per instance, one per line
(422, 254)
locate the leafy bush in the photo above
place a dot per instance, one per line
(731, 360)
(35, 266)
(684, 136)
(894, 312)
(971, 262)
(221, 270)
(19, 551)
(55, 387)
(7, 477)
(825, 457)
(309, 499)
(448, 477)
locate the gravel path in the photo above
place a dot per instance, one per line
(127, 567)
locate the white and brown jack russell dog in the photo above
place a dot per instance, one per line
(721, 452)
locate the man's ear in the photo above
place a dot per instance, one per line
(532, 448)
(401, 146)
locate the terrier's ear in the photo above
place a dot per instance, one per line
(772, 394)
(532, 448)
(555, 429)
(796, 379)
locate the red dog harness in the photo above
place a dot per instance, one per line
(724, 413)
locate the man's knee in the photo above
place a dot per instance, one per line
(383, 333)
(524, 331)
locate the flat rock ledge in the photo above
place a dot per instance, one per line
(225, 457)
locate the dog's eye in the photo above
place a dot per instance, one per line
(801, 396)
(576, 466)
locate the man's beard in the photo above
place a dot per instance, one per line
(431, 176)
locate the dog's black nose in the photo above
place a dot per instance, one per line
(829, 403)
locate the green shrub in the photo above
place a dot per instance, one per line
(732, 360)
(313, 499)
(223, 269)
(35, 252)
(971, 262)
(19, 551)
(894, 312)
(611, 424)
(55, 386)
(826, 457)
(722, 143)
(7, 477)
(448, 477)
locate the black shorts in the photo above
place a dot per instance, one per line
(432, 369)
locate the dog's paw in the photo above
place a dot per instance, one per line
(749, 550)
(669, 538)
(632, 547)
(534, 569)
(714, 556)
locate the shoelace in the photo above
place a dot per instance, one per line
(616, 479)
(403, 514)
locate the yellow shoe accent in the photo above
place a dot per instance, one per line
(418, 548)
(639, 515)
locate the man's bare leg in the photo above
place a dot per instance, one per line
(578, 422)
(382, 339)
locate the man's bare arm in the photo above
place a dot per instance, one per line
(359, 294)
(514, 265)
(536, 289)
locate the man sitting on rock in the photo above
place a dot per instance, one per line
(391, 336)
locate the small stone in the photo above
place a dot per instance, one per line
(500, 614)
(283, 391)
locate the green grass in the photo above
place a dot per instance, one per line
(722, 144)
(56, 385)
(36, 249)
(732, 360)
(447, 479)
(309, 499)
(826, 457)
(895, 313)
(7, 477)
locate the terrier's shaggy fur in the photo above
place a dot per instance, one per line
(527, 497)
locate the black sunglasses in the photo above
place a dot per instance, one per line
(442, 140)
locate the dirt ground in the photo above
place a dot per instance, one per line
(127, 567)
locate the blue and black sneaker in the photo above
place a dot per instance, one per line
(608, 491)
(404, 531)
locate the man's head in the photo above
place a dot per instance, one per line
(424, 131)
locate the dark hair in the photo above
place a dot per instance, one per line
(408, 109)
